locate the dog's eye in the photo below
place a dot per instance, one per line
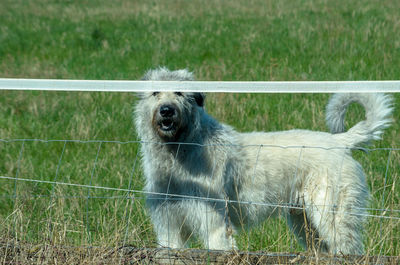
(155, 93)
(178, 94)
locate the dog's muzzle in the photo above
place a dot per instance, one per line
(167, 115)
(167, 121)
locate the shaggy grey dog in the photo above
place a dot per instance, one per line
(308, 177)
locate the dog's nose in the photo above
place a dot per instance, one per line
(167, 111)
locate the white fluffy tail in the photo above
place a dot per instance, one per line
(378, 110)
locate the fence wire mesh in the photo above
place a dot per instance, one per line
(48, 194)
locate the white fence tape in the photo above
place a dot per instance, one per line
(201, 86)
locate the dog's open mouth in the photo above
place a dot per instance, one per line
(166, 124)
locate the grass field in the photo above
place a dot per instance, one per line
(218, 40)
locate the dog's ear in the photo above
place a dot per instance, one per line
(199, 98)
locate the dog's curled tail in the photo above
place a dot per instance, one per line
(378, 110)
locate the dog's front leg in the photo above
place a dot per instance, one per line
(211, 225)
(169, 225)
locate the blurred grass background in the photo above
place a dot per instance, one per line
(218, 40)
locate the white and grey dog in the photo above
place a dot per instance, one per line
(308, 177)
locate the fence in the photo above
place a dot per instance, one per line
(69, 193)
(201, 86)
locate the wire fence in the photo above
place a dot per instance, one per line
(74, 192)
(90, 193)
(162, 195)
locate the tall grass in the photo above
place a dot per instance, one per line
(218, 40)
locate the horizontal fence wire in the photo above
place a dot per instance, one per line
(187, 197)
(202, 145)
(390, 86)
(132, 194)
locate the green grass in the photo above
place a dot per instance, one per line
(218, 40)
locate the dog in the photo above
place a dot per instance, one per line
(205, 179)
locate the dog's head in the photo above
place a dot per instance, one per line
(168, 114)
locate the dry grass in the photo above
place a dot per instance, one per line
(21, 253)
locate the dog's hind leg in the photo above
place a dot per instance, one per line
(337, 232)
(305, 233)
(338, 223)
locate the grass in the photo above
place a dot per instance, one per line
(218, 40)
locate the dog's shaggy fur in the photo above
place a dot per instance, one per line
(187, 154)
